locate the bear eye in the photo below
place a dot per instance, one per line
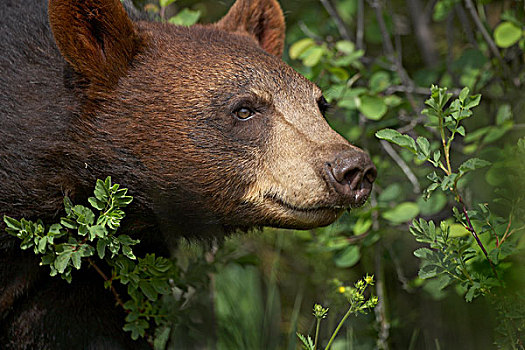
(243, 113)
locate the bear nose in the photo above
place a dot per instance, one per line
(351, 174)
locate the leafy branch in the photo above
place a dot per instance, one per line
(90, 235)
(358, 304)
(448, 122)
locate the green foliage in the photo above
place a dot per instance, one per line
(475, 262)
(358, 303)
(186, 17)
(342, 61)
(507, 34)
(80, 233)
(88, 236)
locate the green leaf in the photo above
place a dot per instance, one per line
(95, 203)
(164, 3)
(495, 133)
(424, 145)
(137, 328)
(449, 182)
(162, 335)
(97, 231)
(123, 201)
(436, 156)
(349, 60)
(423, 231)
(308, 343)
(472, 293)
(432, 205)
(186, 17)
(12, 223)
(392, 192)
(160, 285)
(69, 223)
(379, 81)
(348, 257)
(300, 47)
(424, 253)
(457, 230)
(362, 226)
(464, 94)
(101, 193)
(372, 107)
(507, 34)
(401, 213)
(473, 101)
(42, 243)
(473, 164)
(127, 240)
(313, 56)
(504, 114)
(126, 250)
(62, 260)
(388, 134)
(54, 230)
(345, 46)
(429, 271)
(399, 139)
(148, 290)
(76, 260)
(84, 215)
(68, 205)
(444, 281)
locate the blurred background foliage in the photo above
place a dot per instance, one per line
(376, 60)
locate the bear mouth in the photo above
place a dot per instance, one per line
(302, 217)
(312, 209)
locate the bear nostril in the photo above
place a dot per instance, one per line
(351, 174)
(371, 174)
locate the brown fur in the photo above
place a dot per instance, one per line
(154, 106)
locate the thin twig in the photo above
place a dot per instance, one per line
(424, 35)
(360, 30)
(341, 26)
(402, 164)
(399, 269)
(451, 30)
(358, 238)
(389, 50)
(416, 90)
(475, 235)
(380, 311)
(375, 213)
(492, 45)
(304, 28)
(465, 23)
(113, 290)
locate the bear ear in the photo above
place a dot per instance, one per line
(261, 19)
(95, 36)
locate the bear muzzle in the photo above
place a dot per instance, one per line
(350, 174)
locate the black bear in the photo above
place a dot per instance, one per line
(209, 129)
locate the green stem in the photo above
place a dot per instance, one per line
(448, 171)
(317, 326)
(464, 269)
(338, 328)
